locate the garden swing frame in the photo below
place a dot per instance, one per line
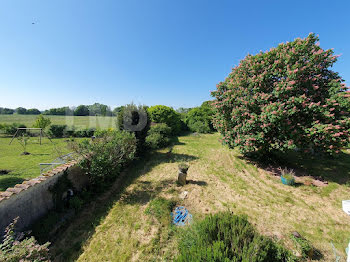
(30, 128)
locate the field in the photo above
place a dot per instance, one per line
(24, 167)
(77, 121)
(114, 227)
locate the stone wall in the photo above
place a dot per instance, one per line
(32, 199)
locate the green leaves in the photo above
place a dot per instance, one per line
(104, 157)
(42, 122)
(281, 94)
(227, 237)
(167, 115)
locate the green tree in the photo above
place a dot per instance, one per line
(166, 115)
(42, 122)
(199, 119)
(59, 111)
(33, 111)
(104, 158)
(135, 119)
(283, 99)
(81, 110)
(21, 110)
(6, 111)
(117, 110)
(98, 109)
(158, 136)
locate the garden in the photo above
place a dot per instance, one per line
(261, 172)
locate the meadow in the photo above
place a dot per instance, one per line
(77, 121)
(116, 227)
(22, 167)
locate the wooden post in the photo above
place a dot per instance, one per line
(41, 133)
(14, 136)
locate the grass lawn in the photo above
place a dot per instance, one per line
(24, 167)
(77, 121)
(115, 227)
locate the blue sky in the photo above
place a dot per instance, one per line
(147, 51)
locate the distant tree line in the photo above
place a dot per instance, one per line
(96, 109)
(20, 111)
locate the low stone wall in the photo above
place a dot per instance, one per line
(32, 199)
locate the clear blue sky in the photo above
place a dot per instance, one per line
(147, 51)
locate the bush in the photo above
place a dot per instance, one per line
(199, 119)
(135, 119)
(87, 132)
(283, 99)
(166, 115)
(105, 156)
(12, 128)
(227, 237)
(76, 203)
(57, 131)
(15, 248)
(42, 122)
(158, 136)
(305, 247)
(69, 131)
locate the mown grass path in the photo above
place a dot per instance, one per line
(116, 228)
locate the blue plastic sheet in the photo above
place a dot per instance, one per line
(181, 216)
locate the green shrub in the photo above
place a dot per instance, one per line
(306, 248)
(15, 248)
(162, 129)
(135, 119)
(87, 132)
(42, 122)
(158, 136)
(12, 128)
(199, 119)
(57, 131)
(166, 115)
(105, 156)
(227, 237)
(69, 131)
(284, 99)
(76, 203)
(156, 141)
(200, 127)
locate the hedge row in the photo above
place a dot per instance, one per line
(53, 131)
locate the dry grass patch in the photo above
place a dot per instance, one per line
(219, 179)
